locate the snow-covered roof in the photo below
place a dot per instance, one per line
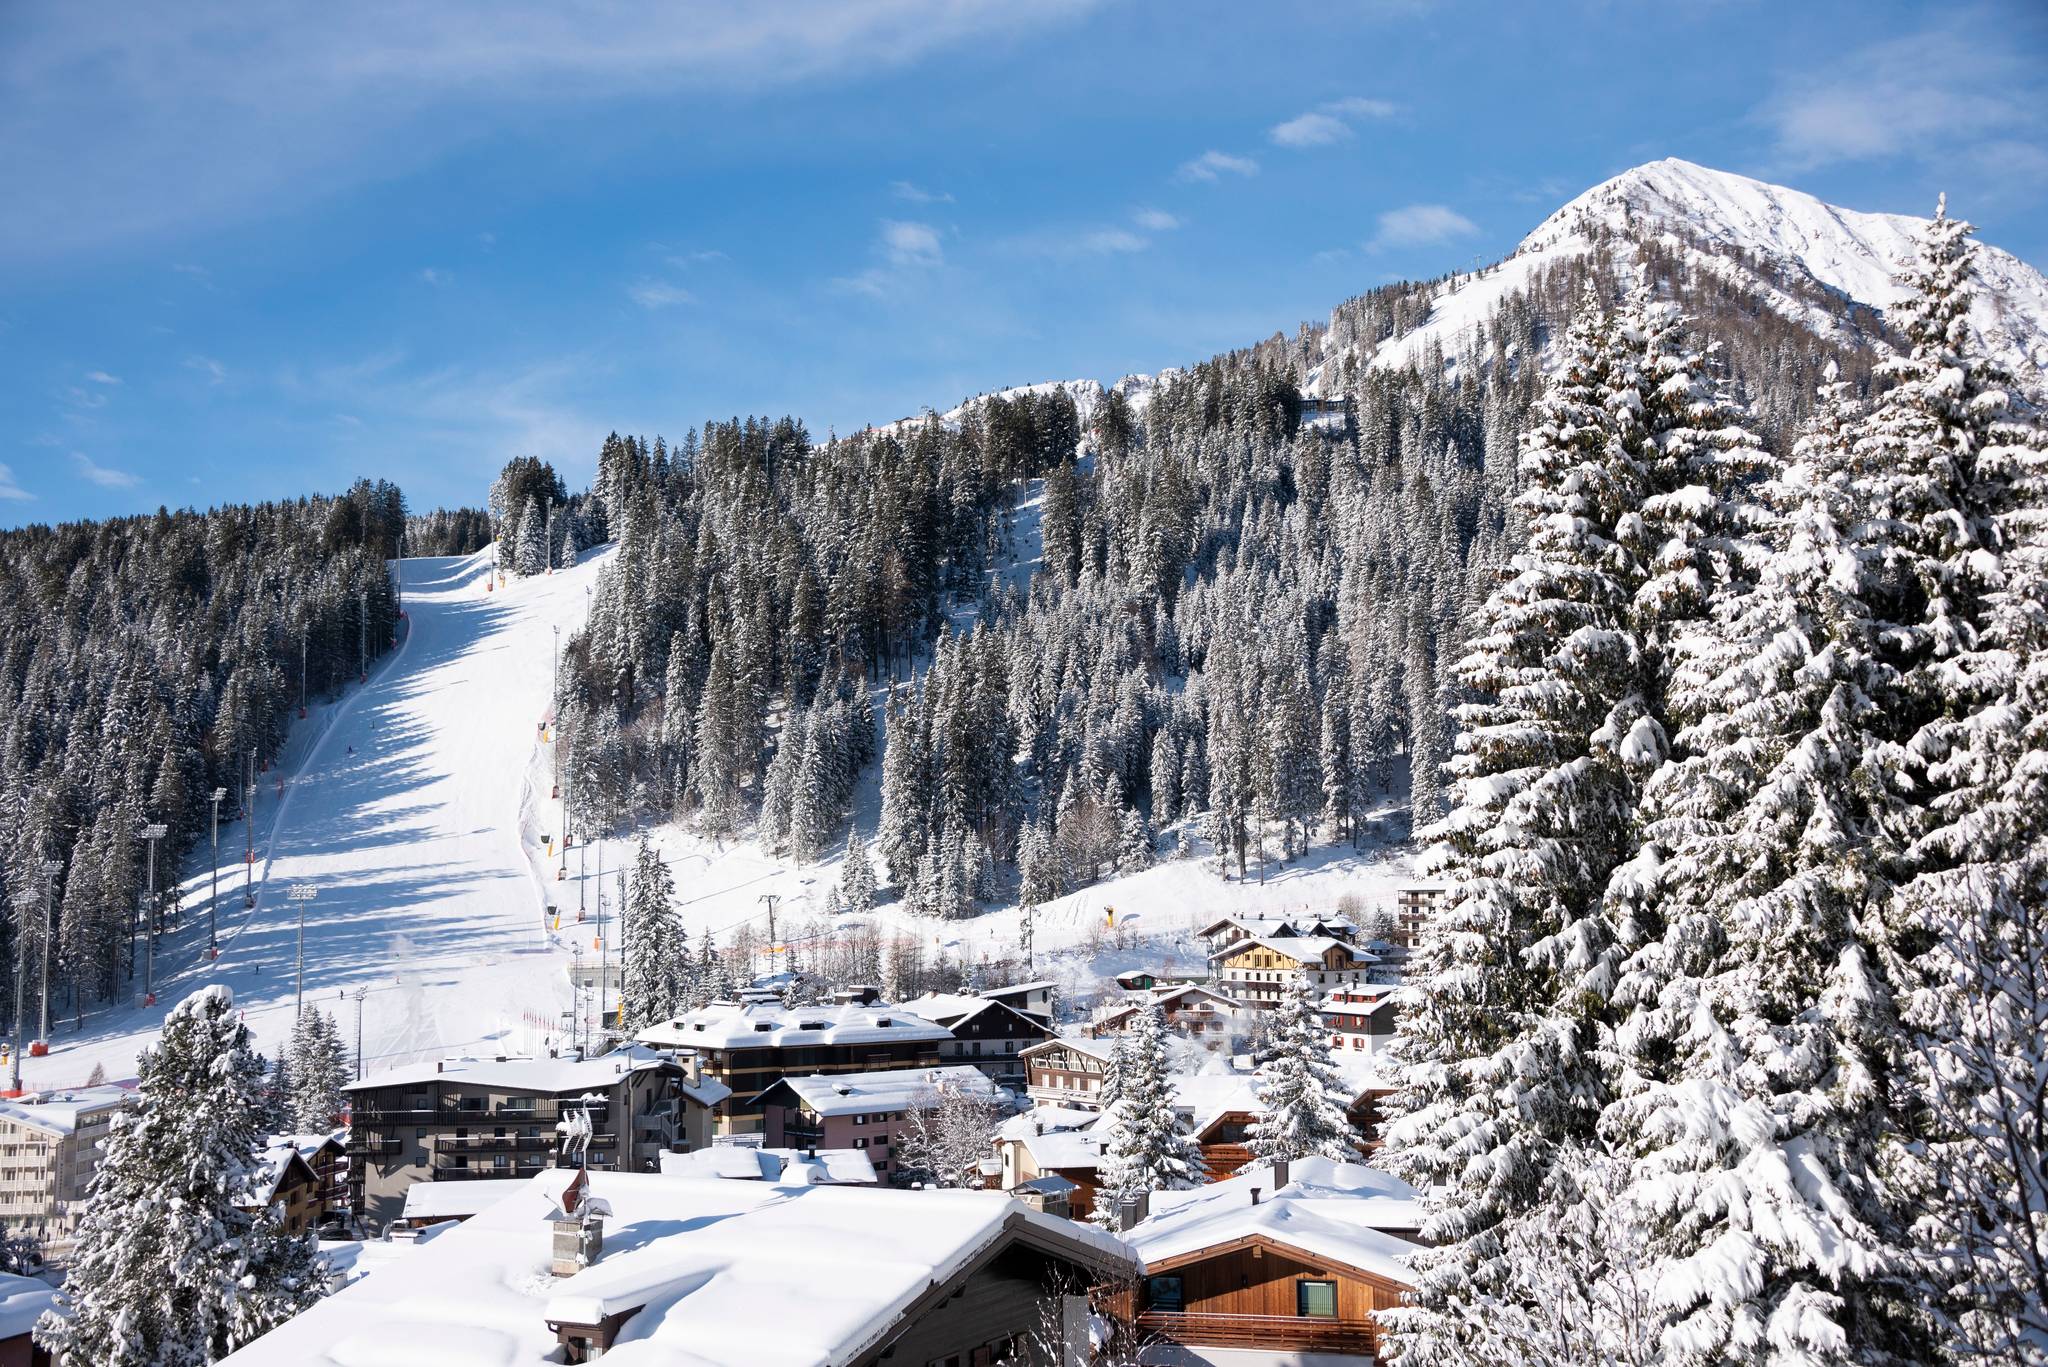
(1329, 1210)
(1208, 1097)
(767, 1025)
(886, 1091)
(722, 1274)
(948, 1008)
(1019, 989)
(271, 1166)
(310, 1145)
(793, 1167)
(1056, 1137)
(22, 1302)
(458, 1200)
(61, 1112)
(1300, 948)
(1093, 1048)
(549, 1076)
(1376, 995)
(1163, 994)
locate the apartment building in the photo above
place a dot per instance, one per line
(750, 1046)
(49, 1147)
(863, 1111)
(459, 1119)
(1259, 970)
(987, 1032)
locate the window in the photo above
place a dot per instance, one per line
(1165, 1293)
(1315, 1299)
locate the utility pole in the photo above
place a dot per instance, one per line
(304, 632)
(363, 632)
(50, 868)
(23, 900)
(301, 893)
(549, 538)
(249, 834)
(361, 993)
(771, 899)
(153, 832)
(213, 902)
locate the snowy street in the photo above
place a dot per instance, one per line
(406, 817)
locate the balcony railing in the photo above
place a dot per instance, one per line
(1198, 1330)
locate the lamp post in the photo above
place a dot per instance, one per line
(153, 832)
(213, 902)
(23, 900)
(301, 893)
(249, 834)
(361, 993)
(49, 871)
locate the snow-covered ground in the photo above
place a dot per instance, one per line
(410, 806)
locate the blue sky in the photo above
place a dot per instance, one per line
(251, 252)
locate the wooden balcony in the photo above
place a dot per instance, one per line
(1258, 1331)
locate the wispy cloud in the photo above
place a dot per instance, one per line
(199, 273)
(917, 194)
(911, 244)
(430, 275)
(104, 476)
(1419, 225)
(658, 294)
(908, 249)
(1155, 220)
(1069, 244)
(183, 116)
(1329, 122)
(682, 261)
(102, 377)
(10, 488)
(213, 370)
(1213, 164)
(1954, 91)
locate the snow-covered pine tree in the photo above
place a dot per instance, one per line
(1150, 1145)
(1755, 1014)
(1301, 1095)
(530, 555)
(167, 1271)
(655, 986)
(857, 875)
(319, 1070)
(1627, 476)
(1960, 481)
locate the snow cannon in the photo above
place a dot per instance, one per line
(39, 1049)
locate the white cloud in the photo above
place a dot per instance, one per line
(213, 370)
(1310, 130)
(10, 488)
(1212, 164)
(1155, 220)
(1105, 241)
(915, 194)
(658, 294)
(102, 377)
(431, 276)
(1329, 122)
(181, 117)
(682, 261)
(102, 475)
(1419, 225)
(1940, 95)
(911, 244)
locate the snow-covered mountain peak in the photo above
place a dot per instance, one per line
(1789, 233)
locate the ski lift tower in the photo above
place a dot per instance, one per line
(153, 832)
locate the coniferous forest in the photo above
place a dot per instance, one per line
(147, 662)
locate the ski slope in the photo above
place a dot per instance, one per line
(414, 812)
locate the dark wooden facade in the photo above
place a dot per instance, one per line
(1250, 1294)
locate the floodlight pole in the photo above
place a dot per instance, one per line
(22, 901)
(213, 902)
(153, 832)
(50, 868)
(249, 833)
(301, 893)
(361, 993)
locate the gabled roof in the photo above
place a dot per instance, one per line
(1161, 996)
(1329, 1211)
(1300, 948)
(718, 1273)
(1095, 1049)
(886, 1091)
(951, 1008)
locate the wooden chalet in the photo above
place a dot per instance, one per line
(1287, 1259)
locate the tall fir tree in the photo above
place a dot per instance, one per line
(1301, 1093)
(168, 1270)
